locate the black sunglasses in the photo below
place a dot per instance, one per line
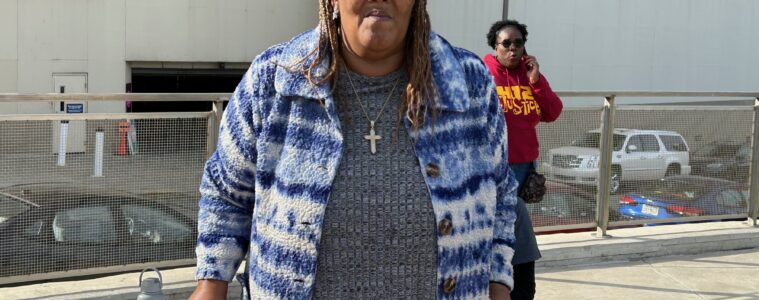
(519, 43)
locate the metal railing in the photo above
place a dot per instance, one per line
(151, 185)
(213, 116)
(166, 169)
(608, 124)
(754, 173)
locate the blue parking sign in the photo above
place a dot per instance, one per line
(74, 108)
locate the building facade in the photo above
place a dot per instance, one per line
(114, 46)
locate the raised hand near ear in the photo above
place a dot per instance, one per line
(533, 68)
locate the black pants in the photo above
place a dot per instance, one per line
(524, 281)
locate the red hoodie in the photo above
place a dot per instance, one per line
(524, 106)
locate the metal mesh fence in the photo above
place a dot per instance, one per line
(97, 193)
(679, 162)
(571, 171)
(667, 163)
(122, 192)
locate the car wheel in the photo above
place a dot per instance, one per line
(615, 183)
(738, 175)
(672, 171)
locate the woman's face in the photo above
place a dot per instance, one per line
(374, 29)
(510, 56)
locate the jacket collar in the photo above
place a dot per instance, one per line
(449, 76)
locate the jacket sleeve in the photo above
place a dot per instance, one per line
(501, 270)
(228, 188)
(550, 103)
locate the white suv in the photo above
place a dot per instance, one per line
(637, 155)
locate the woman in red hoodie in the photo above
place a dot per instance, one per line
(526, 99)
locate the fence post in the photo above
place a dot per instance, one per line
(214, 123)
(753, 207)
(604, 167)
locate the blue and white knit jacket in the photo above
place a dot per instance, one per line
(266, 187)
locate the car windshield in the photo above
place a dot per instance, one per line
(593, 140)
(10, 208)
(149, 224)
(717, 150)
(679, 190)
(706, 150)
(744, 152)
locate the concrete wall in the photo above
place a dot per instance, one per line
(8, 50)
(465, 23)
(212, 30)
(648, 45)
(102, 39)
(582, 44)
(46, 37)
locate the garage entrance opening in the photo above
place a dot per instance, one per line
(172, 136)
(182, 81)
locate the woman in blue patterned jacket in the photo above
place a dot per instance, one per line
(363, 159)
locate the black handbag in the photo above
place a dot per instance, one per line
(534, 187)
(243, 278)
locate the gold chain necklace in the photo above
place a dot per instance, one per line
(372, 137)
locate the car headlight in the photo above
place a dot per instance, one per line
(591, 162)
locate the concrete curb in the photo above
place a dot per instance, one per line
(634, 244)
(171, 291)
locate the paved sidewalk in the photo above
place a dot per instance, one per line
(720, 275)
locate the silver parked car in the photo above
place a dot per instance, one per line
(637, 155)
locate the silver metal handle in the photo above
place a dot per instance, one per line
(160, 278)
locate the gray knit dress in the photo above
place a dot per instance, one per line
(378, 238)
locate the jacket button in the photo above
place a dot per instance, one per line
(449, 285)
(432, 170)
(445, 227)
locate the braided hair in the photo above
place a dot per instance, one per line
(420, 90)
